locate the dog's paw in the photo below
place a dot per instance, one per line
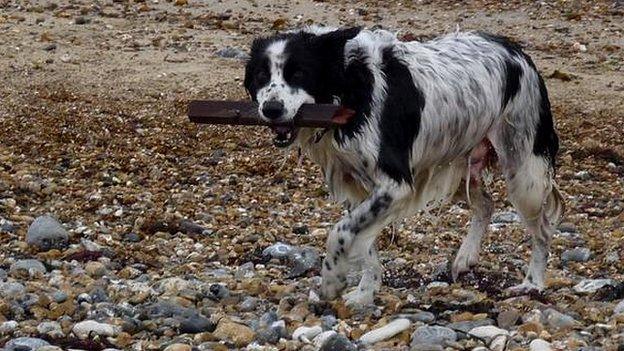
(465, 260)
(331, 287)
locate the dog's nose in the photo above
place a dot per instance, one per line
(273, 109)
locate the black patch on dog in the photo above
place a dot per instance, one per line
(357, 95)
(380, 204)
(400, 119)
(512, 48)
(546, 142)
(314, 63)
(513, 73)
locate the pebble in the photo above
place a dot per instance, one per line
(558, 320)
(47, 233)
(305, 334)
(386, 332)
(81, 20)
(8, 327)
(196, 323)
(337, 342)
(619, 308)
(86, 328)
(506, 217)
(433, 335)
(539, 345)
(591, 285)
(241, 335)
(612, 257)
(25, 344)
(233, 52)
(466, 326)
(496, 337)
(59, 296)
(507, 319)
(328, 321)
(218, 292)
(579, 254)
(301, 260)
(28, 267)
(249, 304)
(178, 347)
(12, 290)
(50, 328)
(95, 269)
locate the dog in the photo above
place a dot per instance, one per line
(429, 117)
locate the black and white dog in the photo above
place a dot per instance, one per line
(427, 117)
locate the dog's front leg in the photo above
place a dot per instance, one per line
(352, 240)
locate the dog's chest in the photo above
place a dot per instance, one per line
(348, 175)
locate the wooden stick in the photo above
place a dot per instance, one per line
(246, 113)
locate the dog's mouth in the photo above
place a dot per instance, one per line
(284, 135)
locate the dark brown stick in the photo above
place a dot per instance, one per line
(246, 113)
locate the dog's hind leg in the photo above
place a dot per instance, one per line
(352, 239)
(482, 208)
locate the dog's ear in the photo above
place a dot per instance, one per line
(334, 42)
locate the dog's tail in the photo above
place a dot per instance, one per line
(555, 205)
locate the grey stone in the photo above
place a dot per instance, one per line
(506, 217)
(49, 47)
(132, 237)
(278, 250)
(425, 317)
(245, 271)
(578, 254)
(558, 320)
(582, 175)
(196, 323)
(3, 274)
(193, 229)
(218, 292)
(47, 233)
(338, 342)
(301, 260)
(612, 257)
(52, 328)
(328, 321)
(29, 266)
(232, 52)
(466, 326)
(586, 286)
(272, 333)
(507, 319)
(25, 344)
(7, 226)
(433, 335)
(619, 308)
(249, 304)
(8, 327)
(12, 290)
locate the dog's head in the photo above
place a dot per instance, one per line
(288, 70)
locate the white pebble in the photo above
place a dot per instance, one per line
(387, 331)
(306, 334)
(539, 345)
(85, 328)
